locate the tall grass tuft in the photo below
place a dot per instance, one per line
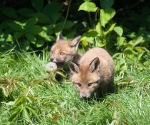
(30, 95)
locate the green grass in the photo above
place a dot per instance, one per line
(24, 83)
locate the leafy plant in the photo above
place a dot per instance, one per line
(32, 28)
(100, 34)
(126, 44)
(22, 110)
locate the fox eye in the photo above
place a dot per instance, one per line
(61, 53)
(78, 84)
(89, 84)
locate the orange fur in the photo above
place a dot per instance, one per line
(94, 73)
(63, 51)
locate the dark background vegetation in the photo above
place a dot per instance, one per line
(131, 15)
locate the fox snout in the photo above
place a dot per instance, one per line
(85, 95)
(51, 59)
(54, 60)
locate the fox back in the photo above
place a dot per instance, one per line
(94, 73)
(63, 51)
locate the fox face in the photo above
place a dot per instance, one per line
(94, 74)
(86, 79)
(63, 51)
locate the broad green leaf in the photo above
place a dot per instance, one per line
(46, 36)
(141, 49)
(26, 12)
(37, 4)
(17, 35)
(90, 33)
(106, 3)
(88, 6)
(58, 27)
(140, 55)
(9, 12)
(53, 7)
(42, 18)
(33, 110)
(139, 40)
(106, 15)
(100, 44)
(14, 112)
(22, 24)
(99, 29)
(129, 50)
(70, 35)
(35, 30)
(19, 101)
(118, 30)
(15, 26)
(132, 35)
(13, 116)
(39, 43)
(109, 29)
(26, 45)
(68, 24)
(31, 38)
(25, 115)
(55, 17)
(84, 42)
(30, 23)
(128, 45)
(88, 37)
(49, 30)
(120, 41)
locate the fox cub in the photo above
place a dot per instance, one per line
(94, 75)
(63, 51)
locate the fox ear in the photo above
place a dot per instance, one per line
(59, 37)
(74, 68)
(75, 42)
(95, 65)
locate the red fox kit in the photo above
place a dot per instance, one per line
(63, 51)
(94, 73)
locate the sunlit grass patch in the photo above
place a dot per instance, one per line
(30, 95)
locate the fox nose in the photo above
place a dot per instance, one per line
(84, 95)
(51, 59)
(84, 98)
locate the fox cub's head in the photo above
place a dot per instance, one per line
(86, 77)
(63, 51)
